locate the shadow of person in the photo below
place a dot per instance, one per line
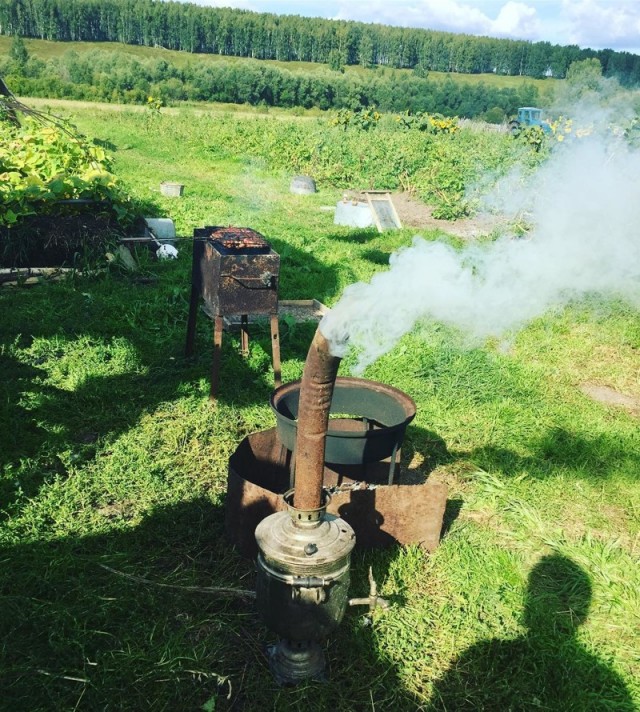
(546, 669)
(76, 625)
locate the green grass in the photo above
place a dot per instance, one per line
(111, 455)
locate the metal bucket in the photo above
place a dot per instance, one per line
(302, 185)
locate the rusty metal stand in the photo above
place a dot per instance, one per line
(191, 323)
(275, 350)
(218, 325)
(217, 353)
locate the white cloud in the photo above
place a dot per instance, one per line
(600, 23)
(512, 19)
(448, 15)
(516, 19)
(587, 23)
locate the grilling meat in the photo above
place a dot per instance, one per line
(238, 238)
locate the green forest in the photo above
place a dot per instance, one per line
(193, 28)
(117, 77)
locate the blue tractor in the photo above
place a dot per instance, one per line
(528, 116)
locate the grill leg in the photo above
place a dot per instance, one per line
(275, 349)
(191, 323)
(217, 349)
(292, 470)
(244, 335)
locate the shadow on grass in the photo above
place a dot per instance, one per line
(451, 513)
(426, 444)
(377, 257)
(594, 457)
(558, 449)
(109, 145)
(548, 667)
(479, 379)
(302, 276)
(78, 635)
(357, 235)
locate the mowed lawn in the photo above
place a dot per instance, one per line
(115, 462)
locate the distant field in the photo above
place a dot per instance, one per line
(45, 49)
(197, 107)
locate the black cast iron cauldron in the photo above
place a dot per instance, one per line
(367, 419)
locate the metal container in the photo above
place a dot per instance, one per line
(171, 190)
(303, 571)
(233, 277)
(303, 185)
(379, 415)
(234, 282)
(302, 585)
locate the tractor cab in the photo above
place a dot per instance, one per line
(529, 116)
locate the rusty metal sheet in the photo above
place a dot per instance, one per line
(381, 515)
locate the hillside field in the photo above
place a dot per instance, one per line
(44, 49)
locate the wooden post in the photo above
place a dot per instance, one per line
(217, 350)
(191, 323)
(275, 350)
(244, 335)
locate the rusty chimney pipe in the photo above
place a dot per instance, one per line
(316, 391)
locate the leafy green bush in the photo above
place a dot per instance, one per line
(48, 178)
(438, 165)
(363, 118)
(117, 77)
(431, 123)
(41, 165)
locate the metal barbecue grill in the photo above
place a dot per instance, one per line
(235, 272)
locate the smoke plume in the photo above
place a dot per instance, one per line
(584, 208)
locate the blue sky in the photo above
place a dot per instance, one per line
(588, 23)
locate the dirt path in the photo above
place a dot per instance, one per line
(609, 396)
(413, 213)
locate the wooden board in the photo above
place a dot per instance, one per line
(383, 211)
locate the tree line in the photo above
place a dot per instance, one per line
(99, 75)
(194, 28)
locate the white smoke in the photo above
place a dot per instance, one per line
(584, 208)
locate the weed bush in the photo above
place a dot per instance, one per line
(48, 172)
